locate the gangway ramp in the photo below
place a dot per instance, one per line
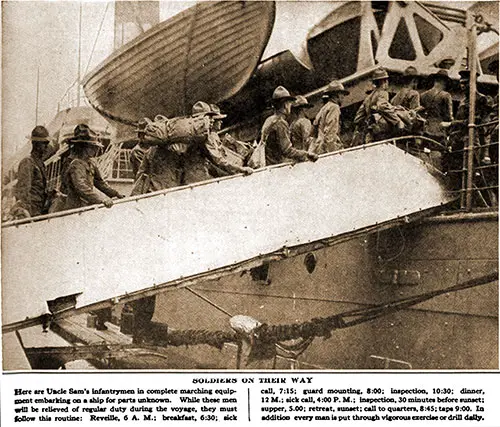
(151, 240)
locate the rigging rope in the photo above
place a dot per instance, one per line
(267, 336)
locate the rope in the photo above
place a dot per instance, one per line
(210, 302)
(96, 38)
(268, 337)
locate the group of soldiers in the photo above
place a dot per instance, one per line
(79, 179)
(288, 134)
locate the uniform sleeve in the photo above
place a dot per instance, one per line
(102, 185)
(360, 114)
(385, 108)
(285, 145)
(77, 172)
(448, 107)
(331, 126)
(137, 155)
(414, 100)
(216, 154)
(23, 186)
(145, 163)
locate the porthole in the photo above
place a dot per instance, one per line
(310, 262)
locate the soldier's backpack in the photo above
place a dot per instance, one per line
(178, 133)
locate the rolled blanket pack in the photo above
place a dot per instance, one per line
(178, 133)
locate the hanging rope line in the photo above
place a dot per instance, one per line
(269, 335)
(96, 38)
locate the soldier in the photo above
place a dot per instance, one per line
(31, 187)
(199, 156)
(79, 180)
(460, 134)
(376, 118)
(327, 120)
(82, 173)
(301, 127)
(276, 133)
(138, 152)
(408, 97)
(438, 106)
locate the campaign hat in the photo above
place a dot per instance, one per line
(216, 112)
(82, 134)
(282, 94)
(440, 74)
(201, 109)
(380, 74)
(39, 134)
(336, 87)
(301, 102)
(465, 74)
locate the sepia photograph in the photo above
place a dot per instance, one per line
(249, 185)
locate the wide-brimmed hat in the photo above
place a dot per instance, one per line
(201, 109)
(39, 134)
(465, 74)
(410, 71)
(301, 102)
(446, 63)
(84, 135)
(282, 94)
(441, 74)
(336, 87)
(380, 74)
(216, 112)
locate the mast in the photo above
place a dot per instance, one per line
(79, 78)
(472, 66)
(37, 93)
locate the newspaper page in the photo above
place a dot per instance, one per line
(247, 212)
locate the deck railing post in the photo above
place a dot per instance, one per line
(472, 65)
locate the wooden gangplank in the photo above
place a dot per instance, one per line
(151, 241)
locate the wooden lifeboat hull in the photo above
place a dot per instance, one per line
(207, 52)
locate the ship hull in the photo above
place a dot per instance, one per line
(454, 331)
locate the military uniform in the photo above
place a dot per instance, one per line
(137, 156)
(276, 136)
(31, 186)
(81, 176)
(377, 102)
(328, 124)
(407, 98)
(438, 108)
(300, 133)
(197, 160)
(160, 169)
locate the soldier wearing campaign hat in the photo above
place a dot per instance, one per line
(82, 175)
(376, 111)
(484, 107)
(275, 133)
(140, 148)
(408, 96)
(327, 120)
(438, 106)
(205, 159)
(31, 186)
(301, 126)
